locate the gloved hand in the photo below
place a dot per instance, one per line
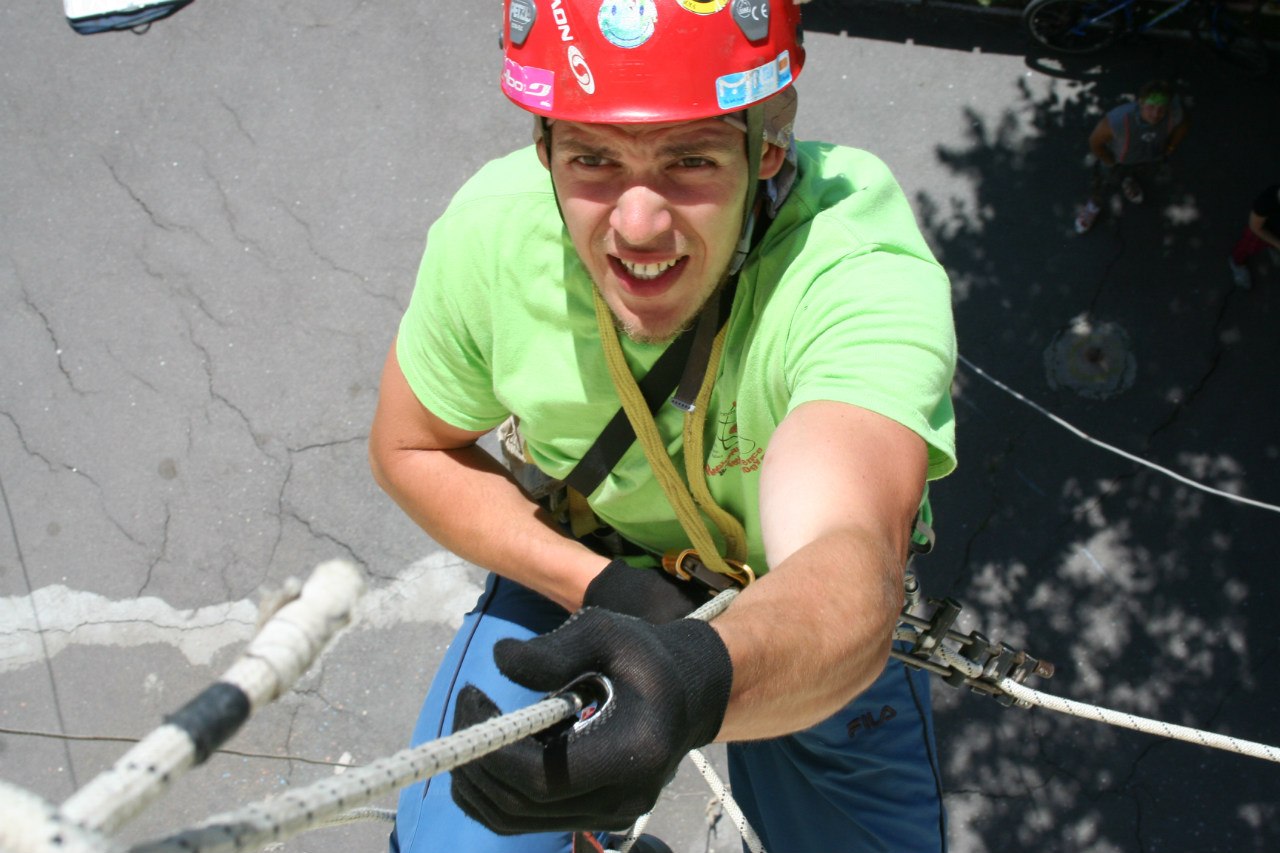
(670, 690)
(651, 594)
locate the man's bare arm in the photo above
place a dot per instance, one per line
(1100, 142)
(839, 488)
(466, 500)
(1176, 136)
(1258, 225)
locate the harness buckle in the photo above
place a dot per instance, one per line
(688, 566)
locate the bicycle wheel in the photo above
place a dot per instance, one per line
(1072, 26)
(1235, 40)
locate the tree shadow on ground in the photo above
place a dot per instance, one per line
(1150, 595)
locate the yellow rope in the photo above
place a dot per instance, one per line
(654, 450)
(730, 528)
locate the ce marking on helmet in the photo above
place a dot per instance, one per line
(578, 65)
(748, 9)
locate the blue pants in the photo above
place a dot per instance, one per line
(866, 779)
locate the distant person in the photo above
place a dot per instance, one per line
(1262, 230)
(1130, 142)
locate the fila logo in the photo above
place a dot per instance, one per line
(869, 721)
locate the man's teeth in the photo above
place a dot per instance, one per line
(648, 271)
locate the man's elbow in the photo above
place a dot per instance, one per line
(383, 453)
(377, 464)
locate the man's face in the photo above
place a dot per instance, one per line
(1154, 110)
(654, 212)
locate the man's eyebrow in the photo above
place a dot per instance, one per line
(709, 142)
(704, 143)
(577, 146)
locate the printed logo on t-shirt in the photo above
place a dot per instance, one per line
(869, 721)
(732, 450)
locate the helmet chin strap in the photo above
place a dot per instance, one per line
(689, 496)
(755, 153)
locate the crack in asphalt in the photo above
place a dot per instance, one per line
(44, 648)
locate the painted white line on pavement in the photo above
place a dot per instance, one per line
(438, 589)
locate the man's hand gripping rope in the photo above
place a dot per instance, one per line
(656, 692)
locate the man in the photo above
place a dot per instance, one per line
(663, 193)
(1131, 141)
(1262, 230)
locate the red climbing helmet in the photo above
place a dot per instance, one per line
(627, 61)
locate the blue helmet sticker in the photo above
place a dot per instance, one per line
(743, 88)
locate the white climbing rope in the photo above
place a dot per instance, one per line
(286, 645)
(29, 824)
(1074, 430)
(731, 807)
(1026, 696)
(296, 810)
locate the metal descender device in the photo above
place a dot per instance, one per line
(995, 661)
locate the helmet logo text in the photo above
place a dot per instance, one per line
(562, 20)
(581, 71)
(521, 15)
(528, 86)
(752, 18)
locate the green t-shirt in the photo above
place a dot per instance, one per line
(841, 300)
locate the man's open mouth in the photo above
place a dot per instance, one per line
(648, 271)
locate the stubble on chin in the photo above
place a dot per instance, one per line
(641, 336)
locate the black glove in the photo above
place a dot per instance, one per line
(670, 688)
(651, 594)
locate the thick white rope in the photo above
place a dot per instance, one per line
(286, 645)
(1024, 694)
(29, 824)
(288, 814)
(1141, 724)
(296, 810)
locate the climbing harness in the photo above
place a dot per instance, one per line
(688, 566)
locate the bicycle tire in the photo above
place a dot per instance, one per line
(1235, 41)
(1065, 26)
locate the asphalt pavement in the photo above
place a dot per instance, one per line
(211, 230)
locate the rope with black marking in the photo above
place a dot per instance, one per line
(287, 644)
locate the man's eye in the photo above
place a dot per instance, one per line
(694, 162)
(590, 160)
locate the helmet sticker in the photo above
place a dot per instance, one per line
(628, 23)
(704, 7)
(743, 88)
(521, 15)
(527, 85)
(578, 65)
(752, 17)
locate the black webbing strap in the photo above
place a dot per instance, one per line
(685, 361)
(656, 386)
